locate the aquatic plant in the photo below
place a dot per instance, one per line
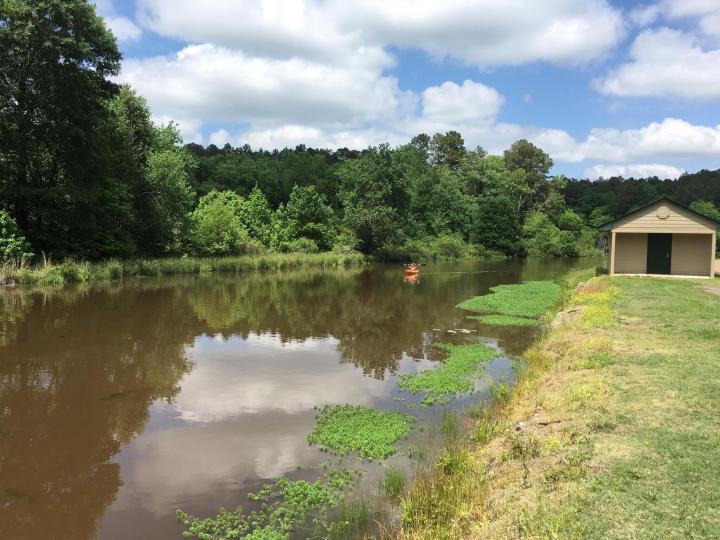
(453, 376)
(505, 320)
(393, 483)
(286, 504)
(530, 299)
(369, 432)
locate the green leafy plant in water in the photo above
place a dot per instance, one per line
(348, 428)
(530, 300)
(454, 376)
(286, 504)
(394, 483)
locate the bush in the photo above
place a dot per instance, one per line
(13, 245)
(216, 227)
(299, 245)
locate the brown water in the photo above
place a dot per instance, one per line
(120, 403)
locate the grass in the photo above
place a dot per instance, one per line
(528, 300)
(454, 376)
(393, 483)
(505, 320)
(342, 429)
(285, 505)
(55, 274)
(610, 432)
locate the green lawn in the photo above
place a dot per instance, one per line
(661, 466)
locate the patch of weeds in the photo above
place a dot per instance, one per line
(524, 448)
(572, 465)
(594, 361)
(420, 453)
(393, 483)
(369, 432)
(440, 493)
(352, 520)
(530, 300)
(602, 421)
(500, 392)
(286, 504)
(450, 425)
(505, 320)
(589, 395)
(704, 332)
(453, 376)
(484, 430)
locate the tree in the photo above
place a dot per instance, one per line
(56, 57)
(447, 149)
(257, 216)
(374, 193)
(439, 204)
(169, 197)
(216, 227)
(13, 245)
(307, 215)
(536, 165)
(495, 225)
(706, 208)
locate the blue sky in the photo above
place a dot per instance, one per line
(605, 87)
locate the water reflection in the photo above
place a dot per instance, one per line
(127, 401)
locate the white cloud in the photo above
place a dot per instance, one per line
(665, 63)
(123, 28)
(469, 102)
(482, 32)
(707, 12)
(217, 84)
(670, 139)
(633, 171)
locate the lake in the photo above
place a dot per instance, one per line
(121, 402)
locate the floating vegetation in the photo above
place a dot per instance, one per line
(454, 376)
(505, 320)
(530, 300)
(286, 504)
(369, 432)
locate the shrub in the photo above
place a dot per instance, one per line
(216, 227)
(299, 245)
(13, 245)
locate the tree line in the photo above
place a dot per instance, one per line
(85, 173)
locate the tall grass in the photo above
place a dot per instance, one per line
(71, 271)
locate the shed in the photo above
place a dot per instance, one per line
(662, 238)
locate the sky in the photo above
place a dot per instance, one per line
(605, 87)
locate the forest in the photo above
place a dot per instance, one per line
(86, 174)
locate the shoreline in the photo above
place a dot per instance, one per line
(68, 272)
(608, 428)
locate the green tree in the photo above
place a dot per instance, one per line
(169, 197)
(216, 227)
(536, 165)
(706, 208)
(56, 57)
(447, 149)
(374, 193)
(13, 245)
(495, 225)
(439, 204)
(257, 217)
(307, 215)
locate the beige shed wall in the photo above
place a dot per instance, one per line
(678, 220)
(630, 253)
(691, 254)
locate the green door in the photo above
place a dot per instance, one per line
(659, 253)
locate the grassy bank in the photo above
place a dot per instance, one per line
(610, 432)
(50, 273)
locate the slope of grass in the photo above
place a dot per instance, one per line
(610, 432)
(453, 376)
(530, 300)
